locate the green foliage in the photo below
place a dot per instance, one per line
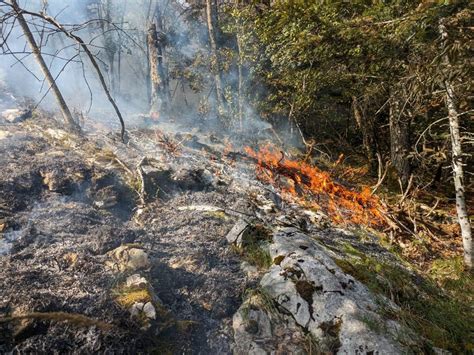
(311, 58)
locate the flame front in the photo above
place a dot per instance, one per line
(314, 188)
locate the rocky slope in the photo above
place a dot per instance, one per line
(169, 244)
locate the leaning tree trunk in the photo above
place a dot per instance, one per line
(89, 54)
(458, 174)
(155, 80)
(211, 13)
(399, 138)
(44, 68)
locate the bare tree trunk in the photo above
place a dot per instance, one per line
(366, 128)
(241, 81)
(458, 174)
(155, 77)
(148, 74)
(119, 54)
(119, 70)
(110, 45)
(166, 95)
(113, 85)
(211, 13)
(89, 54)
(399, 138)
(44, 68)
(148, 68)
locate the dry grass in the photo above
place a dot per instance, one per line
(441, 315)
(129, 298)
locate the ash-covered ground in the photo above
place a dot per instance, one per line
(139, 247)
(66, 202)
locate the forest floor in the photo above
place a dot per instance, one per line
(94, 231)
(65, 204)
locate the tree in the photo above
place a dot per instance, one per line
(157, 75)
(44, 68)
(111, 45)
(456, 152)
(211, 17)
(59, 28)
(400, 146)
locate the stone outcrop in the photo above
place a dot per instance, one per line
(309, 289)
(16, 115)
(128, 258)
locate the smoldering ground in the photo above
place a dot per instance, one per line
(121, 49)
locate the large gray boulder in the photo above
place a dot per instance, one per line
(338, 312)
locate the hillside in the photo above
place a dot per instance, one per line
(236, 177)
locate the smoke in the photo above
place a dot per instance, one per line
(121, 49)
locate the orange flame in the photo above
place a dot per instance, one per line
(314, 188)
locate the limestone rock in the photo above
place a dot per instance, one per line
(128, 258)
(249, 269)
(147, 309)
(259, 330)
(16, 115)
(136, 280)
(250, 330)
(4, 134)
(265, 204)
(329, 304)
(236, 233)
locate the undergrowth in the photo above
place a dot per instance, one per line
(254, 247)
(438, 306)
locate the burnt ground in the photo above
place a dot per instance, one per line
(68, 204)
(64, 204)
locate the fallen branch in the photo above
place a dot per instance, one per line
(76, 319)
(381, 175)
(142, 191)
(405, 194)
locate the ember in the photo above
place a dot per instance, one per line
(314, 188)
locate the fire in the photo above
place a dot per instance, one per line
(314, 188)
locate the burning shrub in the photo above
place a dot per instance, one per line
(314, 188)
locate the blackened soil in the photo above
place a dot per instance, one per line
(61, 212)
